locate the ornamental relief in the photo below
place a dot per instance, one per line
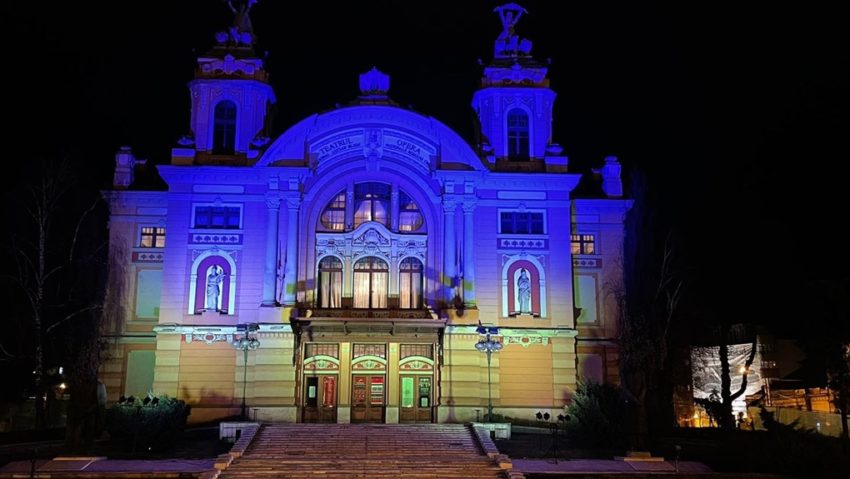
(371, 239)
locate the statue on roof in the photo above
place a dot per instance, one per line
(242, 31)
(510, 14)
(508, 43)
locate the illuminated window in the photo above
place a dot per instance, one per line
(583, 244)
(370, 283)
(521, 222)
(409, 216)
(152, 237)
(518, 135)
(410, 284)
(330, 283)
(333, 217)
(224, 129)
(371, 203)
(217, 217)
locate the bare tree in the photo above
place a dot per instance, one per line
(720, 366)
(47, 256)
(648, 301)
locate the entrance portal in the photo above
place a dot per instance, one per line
(368, 398)
(320, 398)
(415, 399)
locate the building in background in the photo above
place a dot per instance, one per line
(365, 245)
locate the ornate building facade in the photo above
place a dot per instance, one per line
(364, 248)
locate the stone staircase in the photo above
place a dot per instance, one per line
(364, 451)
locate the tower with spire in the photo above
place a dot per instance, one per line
(231, 99)
(514, 104)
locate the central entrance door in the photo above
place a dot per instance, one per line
(368, 398)
(415, 400)
(320, 398)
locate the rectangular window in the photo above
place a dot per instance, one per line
(361, 350)
(321, 349)
(148, 288)
(585, 298)
(217, 217)
(422, 350)
(152, 237)
(521, 222)
(583, 244)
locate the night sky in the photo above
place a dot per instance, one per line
(738, 113)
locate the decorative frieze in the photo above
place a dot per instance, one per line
(215, 238)
(148, 256)
(525, 340)
(587, 262)
(522, 243)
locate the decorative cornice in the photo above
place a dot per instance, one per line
(173, 328)
(617, 206)
(518, 332)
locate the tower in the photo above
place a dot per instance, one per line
(514, 104)
(231, 101)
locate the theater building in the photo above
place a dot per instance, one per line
(362, 248)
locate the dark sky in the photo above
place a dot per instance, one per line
(738, 111)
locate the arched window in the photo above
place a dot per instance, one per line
(224, 128)
(370, 283)
(518, 135)
(410, 284)
(371, 203)
(330, 282)
(409, 216)
(333, 217)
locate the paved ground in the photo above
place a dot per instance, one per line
(537, 466)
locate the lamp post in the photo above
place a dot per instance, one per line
(247, 342)
(489, 346)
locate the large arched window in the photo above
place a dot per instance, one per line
(409, 216)
(518, 134)
(224, 128)
(370, 283)
(333, 217)
(330, 282)
(371, 203)
(410, 284)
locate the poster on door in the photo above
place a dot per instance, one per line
(359, 395)
(329, 391)
(376, 397)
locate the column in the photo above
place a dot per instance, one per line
(449, 249)
(394, 211)
(289, 275)
(270, 271)
(349, 207)
(468, 254)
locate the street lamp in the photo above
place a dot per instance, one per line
(247, 342)
(488, 345)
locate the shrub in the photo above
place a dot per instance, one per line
(152, 423)
(600, 416)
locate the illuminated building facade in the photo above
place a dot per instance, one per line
(366, 244)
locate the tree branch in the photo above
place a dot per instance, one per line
(68, 318)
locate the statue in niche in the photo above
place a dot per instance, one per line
(523, 288)
(214, 280)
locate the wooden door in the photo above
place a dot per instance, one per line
(320, 398)
(415, 401)
(368, 398)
